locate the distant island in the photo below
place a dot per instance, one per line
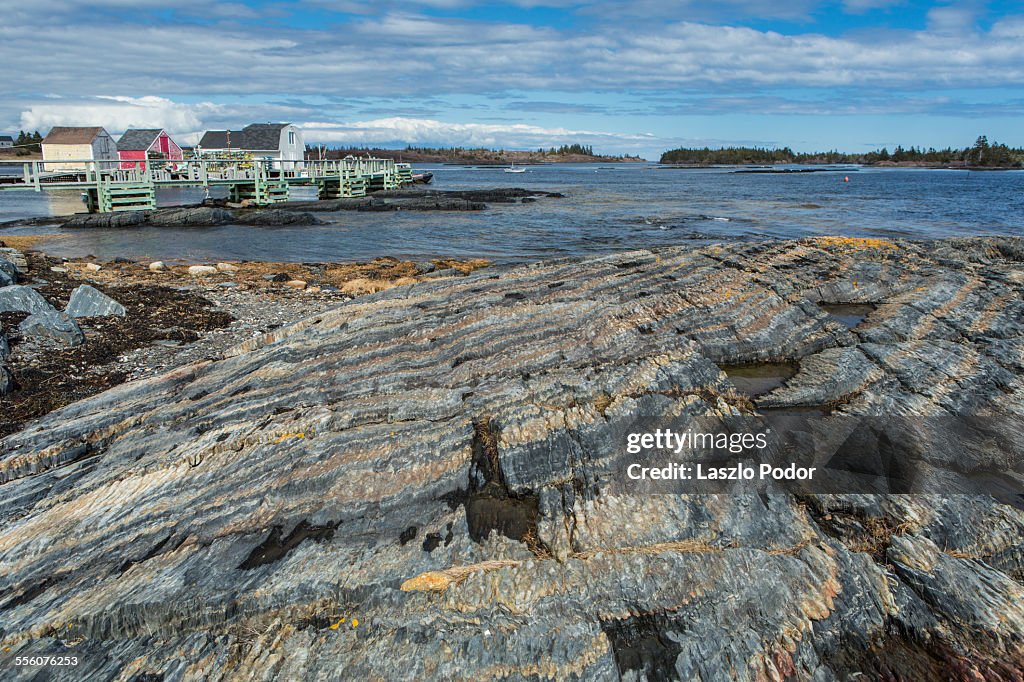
(982, 154)
(570, 153)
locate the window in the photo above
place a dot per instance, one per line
(291, 138)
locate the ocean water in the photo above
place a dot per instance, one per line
(606, 208)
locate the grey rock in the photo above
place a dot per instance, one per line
(5, 347)
(55, 325)
(21, 298)
(198, 216)
(423, 267)
(87, 301)
(436, 461)
(15, 257)
(8, 272)
(445, 272)
(116, 219)
(6, 379)
(275, 216)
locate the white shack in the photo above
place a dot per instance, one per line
(69, 144)
(279, 142)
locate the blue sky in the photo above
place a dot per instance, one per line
(636, 76)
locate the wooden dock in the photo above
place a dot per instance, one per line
(108, 187)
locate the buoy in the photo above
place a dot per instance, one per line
(846, 178)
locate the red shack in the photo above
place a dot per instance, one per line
(141, 144)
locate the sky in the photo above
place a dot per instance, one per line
(625, 76)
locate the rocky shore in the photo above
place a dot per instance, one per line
(70, 329)
(416, 483)
(220, 212)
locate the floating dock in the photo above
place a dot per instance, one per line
(107, 187)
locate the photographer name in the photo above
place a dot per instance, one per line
(734, 472)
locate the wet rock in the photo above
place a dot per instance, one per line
(200, 216)
(115, 219)
(271, 217)
(86, 301)
(53, 324)
(234, 518)
(21, 298)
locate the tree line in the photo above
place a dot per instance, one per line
(981, 153)
(27, 143)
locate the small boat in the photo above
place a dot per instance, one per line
(513, 169)
(422, 178)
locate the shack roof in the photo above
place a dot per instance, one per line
(254, 137)
(72, 135)
(138, 139)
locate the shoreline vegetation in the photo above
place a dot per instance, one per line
(981, 155)
(570, 153)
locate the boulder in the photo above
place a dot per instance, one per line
(296, 284)
(157, 266)
(55, 325)
(5, 279)
(446, 272)
(20, 298)
(87, 301)
(92, 267)
(8, 271)
(106, 220)
(276, 216)
(202, 270)
(227, 267)
(5, 347)
(199, 216)
(16, 257)
(6, 380)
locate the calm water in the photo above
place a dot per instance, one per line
(606, 209)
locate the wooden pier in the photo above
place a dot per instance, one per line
(108, 187)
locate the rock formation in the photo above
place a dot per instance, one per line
(416, 485)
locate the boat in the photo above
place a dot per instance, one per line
(422, 178)
(513, 169)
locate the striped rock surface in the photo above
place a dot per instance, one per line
(410, 486)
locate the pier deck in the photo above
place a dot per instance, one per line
(106, 186)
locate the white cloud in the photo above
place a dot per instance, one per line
(118, 113)
(430, 131)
